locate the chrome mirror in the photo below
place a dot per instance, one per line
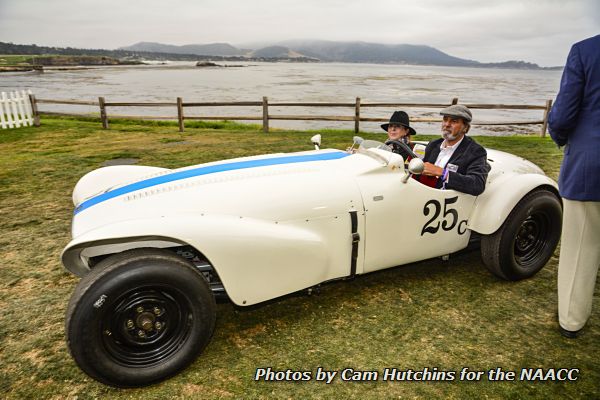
(415, 167)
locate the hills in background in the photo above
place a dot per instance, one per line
(332, 51)
(291, 50)
(363, 52)
(213, 49)
(217, 49)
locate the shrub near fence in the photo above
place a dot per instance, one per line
(266, 116)
(15, 109)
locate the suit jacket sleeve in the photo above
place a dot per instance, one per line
(432, 151)
(564, 113)
(472, 173)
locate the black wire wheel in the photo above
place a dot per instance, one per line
(526, 240)
(139, 317)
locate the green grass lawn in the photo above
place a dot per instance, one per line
(432, 314)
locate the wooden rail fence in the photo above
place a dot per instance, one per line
(266, 116)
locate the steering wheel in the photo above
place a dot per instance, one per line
(401, 148)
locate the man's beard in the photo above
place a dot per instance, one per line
(448, 136)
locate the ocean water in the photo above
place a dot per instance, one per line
(299, 82)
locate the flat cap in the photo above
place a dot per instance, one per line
(459, 111)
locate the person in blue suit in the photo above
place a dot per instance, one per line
(574, 122)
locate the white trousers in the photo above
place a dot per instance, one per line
(579, 262)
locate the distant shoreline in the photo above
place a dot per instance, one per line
(166, 64)
(317, 52)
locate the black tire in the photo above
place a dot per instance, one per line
(139, 317)
(527, 239)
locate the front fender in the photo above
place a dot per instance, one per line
(256, 259)
(102, 179)
(494, 205)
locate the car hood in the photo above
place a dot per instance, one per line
(275, 187)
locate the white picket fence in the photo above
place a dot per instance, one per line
(15, 109)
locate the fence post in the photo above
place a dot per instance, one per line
(546, 112)
(265, 106)
(34, 110)
(455, 100)
(3, 122)
(103, 115)
(180, 113)
(357, 115)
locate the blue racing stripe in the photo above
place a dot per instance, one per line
(211, 169)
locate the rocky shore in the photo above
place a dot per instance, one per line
(38, 63)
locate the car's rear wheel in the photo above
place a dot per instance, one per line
(526, 240)
(139, 317)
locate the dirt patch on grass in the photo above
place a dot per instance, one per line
(246, 337)
(35, 357)
(202, 391)
(120, 161)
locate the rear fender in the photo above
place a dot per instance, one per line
(494, 205)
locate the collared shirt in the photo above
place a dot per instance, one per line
(446, 152)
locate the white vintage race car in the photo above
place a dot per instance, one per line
(156, 246)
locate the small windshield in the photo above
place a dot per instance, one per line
(373, 144)
(379, 151)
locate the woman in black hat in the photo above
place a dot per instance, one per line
(399, 129)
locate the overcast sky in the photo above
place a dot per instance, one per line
(539, 31)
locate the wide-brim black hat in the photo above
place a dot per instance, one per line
(399, 118)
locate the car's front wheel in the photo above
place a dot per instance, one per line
(527, 239)
(139, 317)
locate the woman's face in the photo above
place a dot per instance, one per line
(396, 132)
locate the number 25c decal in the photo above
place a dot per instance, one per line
(449, 218)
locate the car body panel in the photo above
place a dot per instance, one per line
(275, 224)
(281, 258)
(406, 221)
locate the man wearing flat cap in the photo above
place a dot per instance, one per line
(455, 161)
